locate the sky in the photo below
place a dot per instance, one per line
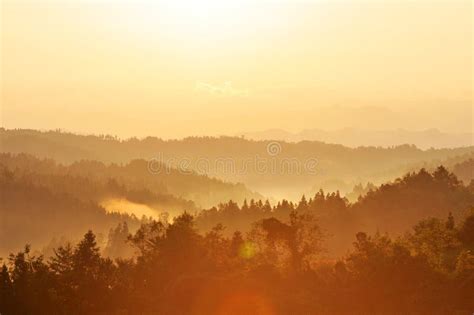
(180, 68)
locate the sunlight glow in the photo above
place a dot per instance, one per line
(123, 206)
(247, 250)
(196, 20)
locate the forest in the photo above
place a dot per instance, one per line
(337, 167)
(53, 201)
(275, 268)
(83, 234)
(404, 247)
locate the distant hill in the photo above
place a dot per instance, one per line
(93, 181)
(33, 213)
(351, 137)
(171, 190)
(277, 169)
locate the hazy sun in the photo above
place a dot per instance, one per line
(188, 19)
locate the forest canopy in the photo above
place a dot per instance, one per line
(276, 268)
(153, 241)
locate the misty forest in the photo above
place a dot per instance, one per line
(86, 228)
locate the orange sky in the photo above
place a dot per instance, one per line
(181, 68)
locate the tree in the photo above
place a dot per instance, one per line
(439, 244)
(6, 292)
(466, 232)
(117, 242)
(296, 244)
(62, 262)
(88, 277)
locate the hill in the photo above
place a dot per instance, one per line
(32, 213)
(355, 137)
(174, 190)
(285, 172)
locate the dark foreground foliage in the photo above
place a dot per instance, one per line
(276, 268)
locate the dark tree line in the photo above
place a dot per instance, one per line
(278, 267)
(391, 208)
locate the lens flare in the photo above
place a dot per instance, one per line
(247, 250)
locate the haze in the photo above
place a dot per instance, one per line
(209, 68)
